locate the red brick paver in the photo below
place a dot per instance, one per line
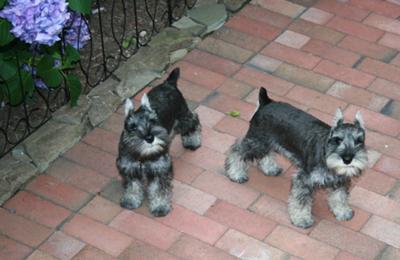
(97, 234)
(32, 207)
(318, 56)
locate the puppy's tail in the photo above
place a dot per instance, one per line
(263, 98)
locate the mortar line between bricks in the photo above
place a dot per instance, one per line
(95, 147)
(83, 166)
(87, 167)
(219, 56)
(53, 231)
(298, 67)
(20, 242)
(223, 234)
(319, 62)
(56, 229)
(389, 60)
(380, 255)
(229, 227)
(359, 61)
(214, 54)
(99, 148)
(266, 44)
(52, 201)
(374, 238)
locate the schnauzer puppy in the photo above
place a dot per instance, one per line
(327, 157)
(143, 148)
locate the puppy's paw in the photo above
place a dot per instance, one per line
(241, 179)
(191, 146)
(161, 211)
(273, 171)
(305, 222)
(192, 141)
(130, 201)
(344, 214)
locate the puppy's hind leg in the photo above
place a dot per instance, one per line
(190, 129)
(236, 163)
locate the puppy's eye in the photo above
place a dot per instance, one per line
(131, 127)
(337, 140)
(359, 140)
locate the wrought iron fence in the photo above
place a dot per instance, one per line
(117, 28)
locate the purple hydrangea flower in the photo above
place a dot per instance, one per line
(36, 21)
(76, 31)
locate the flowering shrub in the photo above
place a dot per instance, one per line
(37, 21)
(76, 31)
(32, 55)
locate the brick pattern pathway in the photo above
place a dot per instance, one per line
(335, 53)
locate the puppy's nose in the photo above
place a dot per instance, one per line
(149, 139)
(347, 159)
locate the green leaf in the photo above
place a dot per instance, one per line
(45, 64)
(52, 78)
(5, 35)
(81, 6)
(75, 88)
(71, 54)
(7, 69)
(2, 2)
(17, 89)
(234, 113)
(126, 43)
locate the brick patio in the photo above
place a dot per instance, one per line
(335, 53)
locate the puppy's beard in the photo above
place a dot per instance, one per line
(357, 165)
(148, 149)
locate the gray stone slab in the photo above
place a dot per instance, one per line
(73, 115)
(235, 5)
(172, 39)
(13, 174)
(177, 55)
(103, 102)
(135, 82)
(50, 141)
(211, 15)
(188, 25)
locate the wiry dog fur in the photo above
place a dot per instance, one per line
(143, 149)
(327, 157)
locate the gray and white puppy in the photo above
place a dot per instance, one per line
(326, 157)
(143, 159)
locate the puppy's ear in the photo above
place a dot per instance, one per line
(173, 77)
(129, 106)
(338, 119)
(263, 98)
(359, 121)
(145, 103)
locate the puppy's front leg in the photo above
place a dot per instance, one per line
(159, 190)
(300, 203)
(133, 183)
(338, 204)
(133, 195)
